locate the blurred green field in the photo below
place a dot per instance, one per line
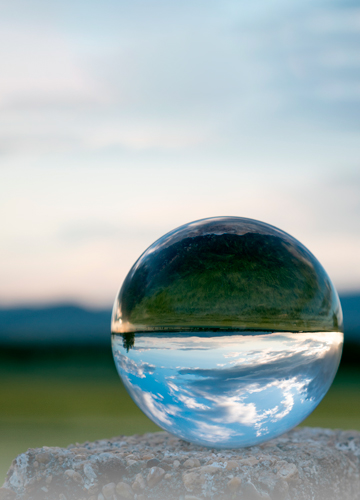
(50, 401)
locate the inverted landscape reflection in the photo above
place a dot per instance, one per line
(224, 388)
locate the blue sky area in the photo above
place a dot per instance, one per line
(252, 387)
(122, 120)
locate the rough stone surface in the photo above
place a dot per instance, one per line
(304, 464)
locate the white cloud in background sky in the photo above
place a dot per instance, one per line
(122, 120)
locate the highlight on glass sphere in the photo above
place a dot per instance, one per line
(227, 332)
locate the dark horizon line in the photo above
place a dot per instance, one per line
(56, 305)
(87, 307)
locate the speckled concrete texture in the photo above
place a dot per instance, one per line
(304, 464)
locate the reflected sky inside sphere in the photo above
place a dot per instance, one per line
(228, 390)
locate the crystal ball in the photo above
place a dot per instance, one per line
(227, 332)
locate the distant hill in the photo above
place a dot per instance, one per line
(54, 325)
(351, 310)
(73, 325)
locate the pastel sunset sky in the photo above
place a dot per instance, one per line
(120, 121)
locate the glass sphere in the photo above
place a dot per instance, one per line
(227, 332)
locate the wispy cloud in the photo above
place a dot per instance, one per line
(141, 119)
(267, 389)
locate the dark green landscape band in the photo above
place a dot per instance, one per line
(253, 277)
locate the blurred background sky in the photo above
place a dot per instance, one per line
(121, 120)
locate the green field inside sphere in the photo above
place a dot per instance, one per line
(227, 273)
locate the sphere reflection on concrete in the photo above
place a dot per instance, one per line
(227, 332)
